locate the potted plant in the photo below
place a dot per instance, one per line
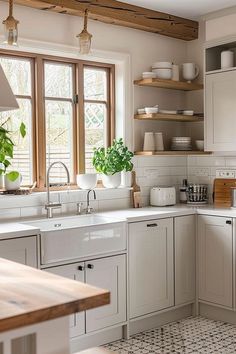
(12, 179)
(111, 162)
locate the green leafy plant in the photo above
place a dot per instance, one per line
(115, 158)
(7, 147)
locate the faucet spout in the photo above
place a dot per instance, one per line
(49, 206)
(88, 208)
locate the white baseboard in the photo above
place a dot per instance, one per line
(217, 313)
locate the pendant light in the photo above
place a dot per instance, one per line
(11, 30)
(85, 37)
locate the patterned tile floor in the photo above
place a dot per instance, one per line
(191, 335)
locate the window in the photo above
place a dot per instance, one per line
(19, 74)
(96, 110)
(68, 108)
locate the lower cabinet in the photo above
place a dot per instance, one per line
(22, 250)
(151, 268)
(185, 259)
(215, 250)
(107, 273)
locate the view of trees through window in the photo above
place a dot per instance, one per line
(18, 72)
(54, 108)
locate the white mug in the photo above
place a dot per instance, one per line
(159, 145)
(190, 71)
(149, 142)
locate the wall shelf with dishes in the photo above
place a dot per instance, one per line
(166, 75)
(171, 153)
(169, 117)
(169, 84)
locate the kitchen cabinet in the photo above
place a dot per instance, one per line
(22, 250)
(215, 252)
(220, 107)
(185, 259)
(75, 272)
(151, 269)
(107, 273)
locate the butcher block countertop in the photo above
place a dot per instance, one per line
(29, 296)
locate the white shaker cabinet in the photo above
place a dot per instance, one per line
(185, 259)
(107, 273)
(75, 272)
(220, 108)
(22, 250)
(151, 278)
(215, 258)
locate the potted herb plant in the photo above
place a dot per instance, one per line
(111, 162)
(12, 179)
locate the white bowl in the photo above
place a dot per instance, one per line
(199, 144)
(163, 73)
(162, 64)
(87, 180)
(149, 75)
(151, 110)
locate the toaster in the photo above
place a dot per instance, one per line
(162, 196)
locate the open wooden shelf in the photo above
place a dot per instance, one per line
(169, 84)
(169, 117)
(176, 153)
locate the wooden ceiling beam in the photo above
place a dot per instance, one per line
(122, 14)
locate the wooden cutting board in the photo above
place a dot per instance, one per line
(222, 191)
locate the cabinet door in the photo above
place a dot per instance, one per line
(220, 122)
(151, 266)
(185, 249)
(75, 272)
(215, 249)
(107, 273)
(22, 250)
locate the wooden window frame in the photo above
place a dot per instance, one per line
(38, 111)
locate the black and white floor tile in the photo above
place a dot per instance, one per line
(191, 335)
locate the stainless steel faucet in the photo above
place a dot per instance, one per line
(49, 206)
(89, 209)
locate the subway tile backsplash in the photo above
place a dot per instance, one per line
(150, 171)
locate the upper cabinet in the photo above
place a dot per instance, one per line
(220, 97)
(220, 108)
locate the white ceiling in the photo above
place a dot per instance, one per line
(191, 9)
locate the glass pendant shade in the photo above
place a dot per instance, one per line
(85, 37)
(11, 27)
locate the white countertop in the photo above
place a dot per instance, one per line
(11, 230)
(149, 213)
(18, 229)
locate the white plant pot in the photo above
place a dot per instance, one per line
(12, 185)
(1, 181)
(126, 179)
(111, 181)
(87, 180)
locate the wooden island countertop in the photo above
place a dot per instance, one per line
(29, 296)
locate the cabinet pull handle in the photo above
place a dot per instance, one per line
(152, 225)
(228, 222)
(81, 268)
(90, 266)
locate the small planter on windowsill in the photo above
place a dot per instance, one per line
(112, 162)
(13, 181)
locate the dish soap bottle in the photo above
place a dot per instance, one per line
(183, 192)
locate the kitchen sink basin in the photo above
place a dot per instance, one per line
(72, 238)
(71, 222)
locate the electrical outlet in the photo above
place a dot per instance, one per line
(202, 172)
(225, 173)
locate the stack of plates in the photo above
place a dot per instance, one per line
(181, 143)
